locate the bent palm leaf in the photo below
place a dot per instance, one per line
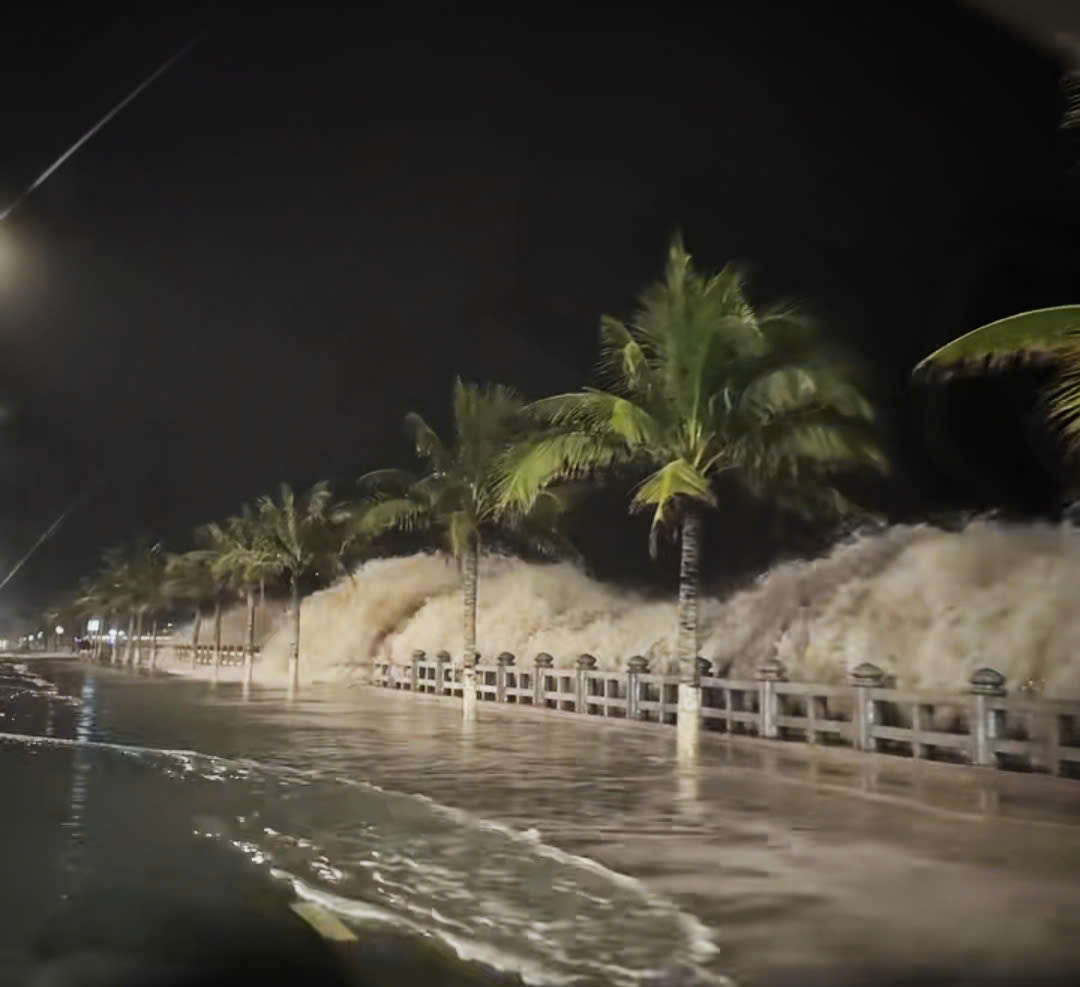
(1038, 336)
(1042, 336)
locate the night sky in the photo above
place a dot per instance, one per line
(304, 229)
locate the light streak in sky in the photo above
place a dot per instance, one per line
(134, 94)
(45, 534)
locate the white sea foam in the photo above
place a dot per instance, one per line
(927, 605)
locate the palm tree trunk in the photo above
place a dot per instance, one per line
(262, 607)
(249, 650)
(129, 652)
(195, 637)
(689, 581)
(217, 635)
(294, 656)
(470, 575)
(138, 639)
(689, 719)
(153, 642)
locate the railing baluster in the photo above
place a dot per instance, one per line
(505, 660)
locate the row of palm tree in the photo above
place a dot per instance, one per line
(276, 539)
(129, 581)
(698, 390)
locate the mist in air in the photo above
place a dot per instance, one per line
(927, 605)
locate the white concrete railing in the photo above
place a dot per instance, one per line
(983, 727)
(231, 654)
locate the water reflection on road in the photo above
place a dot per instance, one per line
(768, 866)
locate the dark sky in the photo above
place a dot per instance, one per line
(304, 229)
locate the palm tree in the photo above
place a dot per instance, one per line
(190, 577)
(212, 536)
(109, 589)
(1046, 336)
(296, 537)
(698, 384)
(157, 597)
(51, 618)
(92, 603)
(245, 560)
(458, 497)
(145, 574)
(116, 591)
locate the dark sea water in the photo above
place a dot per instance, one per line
(138, 811)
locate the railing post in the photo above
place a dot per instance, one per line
(637, 666)
(417, 656)
(442, 659)
(769, 672)
(505, 660)
(469, 695)
(543, 662)
(985, 726)
(865, 677)
(584, 663)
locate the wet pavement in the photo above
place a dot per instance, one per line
(550, 847)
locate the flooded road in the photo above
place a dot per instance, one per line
(562, 851)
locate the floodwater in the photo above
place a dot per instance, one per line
(545, 848)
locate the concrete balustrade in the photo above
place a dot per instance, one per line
(985, 728)
(231, 654)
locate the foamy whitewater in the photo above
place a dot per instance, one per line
(925, 604)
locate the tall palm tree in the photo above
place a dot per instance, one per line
(113, 589)
(190, 577)
(457, 496)
(92, 603)
(51, 618)
(145, 573)
(245, 560)
(697, 384)
(117, 593)
(296, 534)
(1045, 336)
(212, 536)
(157, 597)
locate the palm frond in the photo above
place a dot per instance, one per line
(801, 388)
(599, 411)
(1062, 398)
(525, 470)
(460, 531)
(426, 442)
(624, 363)
(822, 445)
(1038, 336)
(385, 480)
(394, 513)
(660, 490)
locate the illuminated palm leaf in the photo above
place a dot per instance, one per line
(673, 480)
(1047, 336)
(1040, 336)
